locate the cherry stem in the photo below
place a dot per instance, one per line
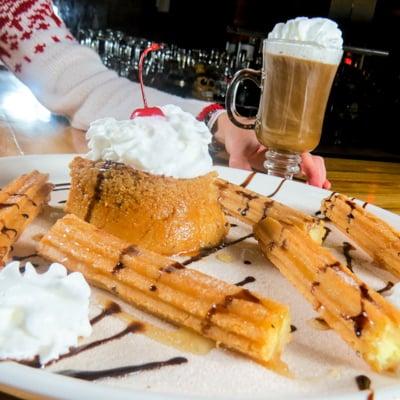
(152, 47)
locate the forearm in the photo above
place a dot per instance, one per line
(68, 78)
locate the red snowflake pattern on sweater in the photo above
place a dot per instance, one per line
(21, 21)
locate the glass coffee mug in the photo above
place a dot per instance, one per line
(295, 84)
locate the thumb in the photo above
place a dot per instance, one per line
(239, 161)
(314, 169)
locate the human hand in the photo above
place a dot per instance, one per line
(246, 152)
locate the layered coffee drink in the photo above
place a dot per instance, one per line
(300, 62)
(294, 101)
(300, 59)
(298, 76)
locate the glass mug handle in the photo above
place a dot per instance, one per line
(230, 102)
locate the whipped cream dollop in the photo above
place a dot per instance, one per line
(41, 314)
(175, 146)
(322, 35)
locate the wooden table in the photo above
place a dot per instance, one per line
(26, 128)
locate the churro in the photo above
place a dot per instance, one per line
(372, 234)
(20, 202)
(361, 316)
(233, 317)
(251, 207)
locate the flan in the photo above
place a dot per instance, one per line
(163, 214)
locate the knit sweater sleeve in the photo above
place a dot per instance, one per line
(68, 78)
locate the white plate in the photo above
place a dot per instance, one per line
(323, 364)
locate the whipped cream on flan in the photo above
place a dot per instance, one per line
(175, 145)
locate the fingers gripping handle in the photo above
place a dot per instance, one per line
(230, 103)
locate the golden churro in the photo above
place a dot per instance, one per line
(372, 234)
(231, 316)
(251, 207)
(20, 202)
(361, 316)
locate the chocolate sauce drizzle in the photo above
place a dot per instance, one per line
(275, 192)
(131, 328)
(247, 262)
(365, 204)
(361, 319)
(314, 285)
(245, 281)
(326, 234)
(112, 308)
(130, 250)
(350, 215)
(7, 205)
(388, 286)
(6, 231)
(210, 250)
(347, 247)
(267, 206)
(22, 258)
(97, 189)
(249, 198)
(121, 371)
(363, 382)
(292, 329)
(247, 181)
(62, 184)
(62, 201)
(222, 307)
(172, 268)
(317, 213)
(335, 266)
(21, 195)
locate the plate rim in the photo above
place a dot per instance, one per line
(36, 381)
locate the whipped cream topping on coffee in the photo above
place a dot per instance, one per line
(175, 146)
(41, 314)
(321, 35)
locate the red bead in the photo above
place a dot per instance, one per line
(147, 112)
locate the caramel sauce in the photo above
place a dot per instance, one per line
(182, 339)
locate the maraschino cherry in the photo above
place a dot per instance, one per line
(146, 111)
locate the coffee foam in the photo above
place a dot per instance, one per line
(304, 50)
